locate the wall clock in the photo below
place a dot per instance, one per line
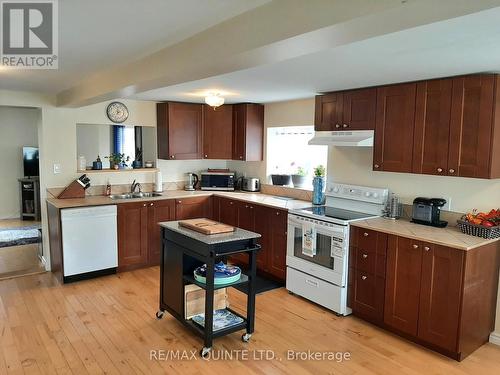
(117, 112)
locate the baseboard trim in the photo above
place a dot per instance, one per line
(495, 338)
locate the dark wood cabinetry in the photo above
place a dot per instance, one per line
(393, 147)
(193, 208)
(438, 296)
(179, 130)
(132, 235)
(248, 132)
(367, 267)
(351, 110)
(270, 223)
(218, 132)
(158, 211)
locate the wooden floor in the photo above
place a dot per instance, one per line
(19, 260)
(107, 325)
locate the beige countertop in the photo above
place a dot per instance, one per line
(450, 236)
(257, 198)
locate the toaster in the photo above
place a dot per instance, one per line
(250, 184)
(426, 211)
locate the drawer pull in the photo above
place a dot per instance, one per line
(427, 248)
(440, 170)
(364, 277)
(151, 204)
(337, 126)
(451, 170)
(365, 234)
(345, 126)
(312, 282)
(415, 246)
(365, 256)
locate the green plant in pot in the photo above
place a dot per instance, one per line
(117, 160)
(319, 185)
(299, 178)
(137, 163)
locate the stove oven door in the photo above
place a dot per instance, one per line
(328, 261)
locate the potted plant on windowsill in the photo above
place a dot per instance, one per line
(319, 185)
(117, 161)
(299, 179)
(281, 179)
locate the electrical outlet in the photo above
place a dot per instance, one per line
(447, 206)
(57, 168)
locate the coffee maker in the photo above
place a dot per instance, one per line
(192, 180)
(426, 211)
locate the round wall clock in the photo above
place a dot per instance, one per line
(117, 112)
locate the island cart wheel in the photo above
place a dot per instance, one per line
(159, 314)
(205, 351)
(246, 337)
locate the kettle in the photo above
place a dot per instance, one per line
(192, 180)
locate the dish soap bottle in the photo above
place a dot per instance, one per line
(107, 191)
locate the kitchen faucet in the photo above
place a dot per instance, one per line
(134, 186)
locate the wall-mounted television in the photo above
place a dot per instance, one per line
(30, 159)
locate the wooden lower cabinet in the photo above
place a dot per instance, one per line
(193, 208)
(441, 297)
(158, 211)
(132, 235)
(270, 223)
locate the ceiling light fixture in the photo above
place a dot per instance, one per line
(214, 100)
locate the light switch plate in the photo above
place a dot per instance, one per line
(57, 168)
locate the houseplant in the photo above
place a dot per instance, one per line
(299, 179)
(319, 185)
(117, 161)
(281, 179)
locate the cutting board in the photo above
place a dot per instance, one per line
(206, 226)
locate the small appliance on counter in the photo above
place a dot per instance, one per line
(250, 184)
(192, 180)
(218, 179)
(426, 211)
(393, 208)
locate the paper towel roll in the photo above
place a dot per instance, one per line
(158, 182)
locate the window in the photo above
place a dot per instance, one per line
(288, 151)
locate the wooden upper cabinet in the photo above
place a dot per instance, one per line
(346, 110)
(432, 127)
(474, 147)
(359, 109)
(218, 132)
(402, 288)
(328, 111)
(193, 208)
(248, 132)
(179, 129)
(440, 296)
(393, 147)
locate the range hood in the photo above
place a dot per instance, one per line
(359, 138)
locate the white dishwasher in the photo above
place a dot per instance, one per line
(89, 239)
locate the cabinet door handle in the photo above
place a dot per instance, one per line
(365, 256)
(440, 170)
(376, 166)
(451, 170)
(172, 156)
(345, 126)
(365, 234)
(415, 246)
(231, 203)
(251, 207)
(144, 205)
(151, 204)
(337, 126)
(179, 202)
(241, 157)
(427, 248)
(364, 277)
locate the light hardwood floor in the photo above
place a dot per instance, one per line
(107, 325)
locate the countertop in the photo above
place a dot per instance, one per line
(238, 234)
(257, 198)
(450, 236)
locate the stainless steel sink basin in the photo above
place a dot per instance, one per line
(134, 195)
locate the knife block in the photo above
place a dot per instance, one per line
(73, 190)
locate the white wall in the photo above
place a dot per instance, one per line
(18, 128)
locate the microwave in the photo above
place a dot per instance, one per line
(222, 181)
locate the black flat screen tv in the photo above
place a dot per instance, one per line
(30, 159)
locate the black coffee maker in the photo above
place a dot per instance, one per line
(426, 211)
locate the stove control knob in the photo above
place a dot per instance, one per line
(368, 194)
(375, 195)
(336, 189)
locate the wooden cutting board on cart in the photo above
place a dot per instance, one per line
(206, 226)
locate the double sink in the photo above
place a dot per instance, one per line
(134, 195)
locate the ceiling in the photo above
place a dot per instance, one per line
(457, 46)
(94, 34)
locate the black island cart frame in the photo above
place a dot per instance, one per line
(183, 250)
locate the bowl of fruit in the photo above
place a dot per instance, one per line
(481, 224)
